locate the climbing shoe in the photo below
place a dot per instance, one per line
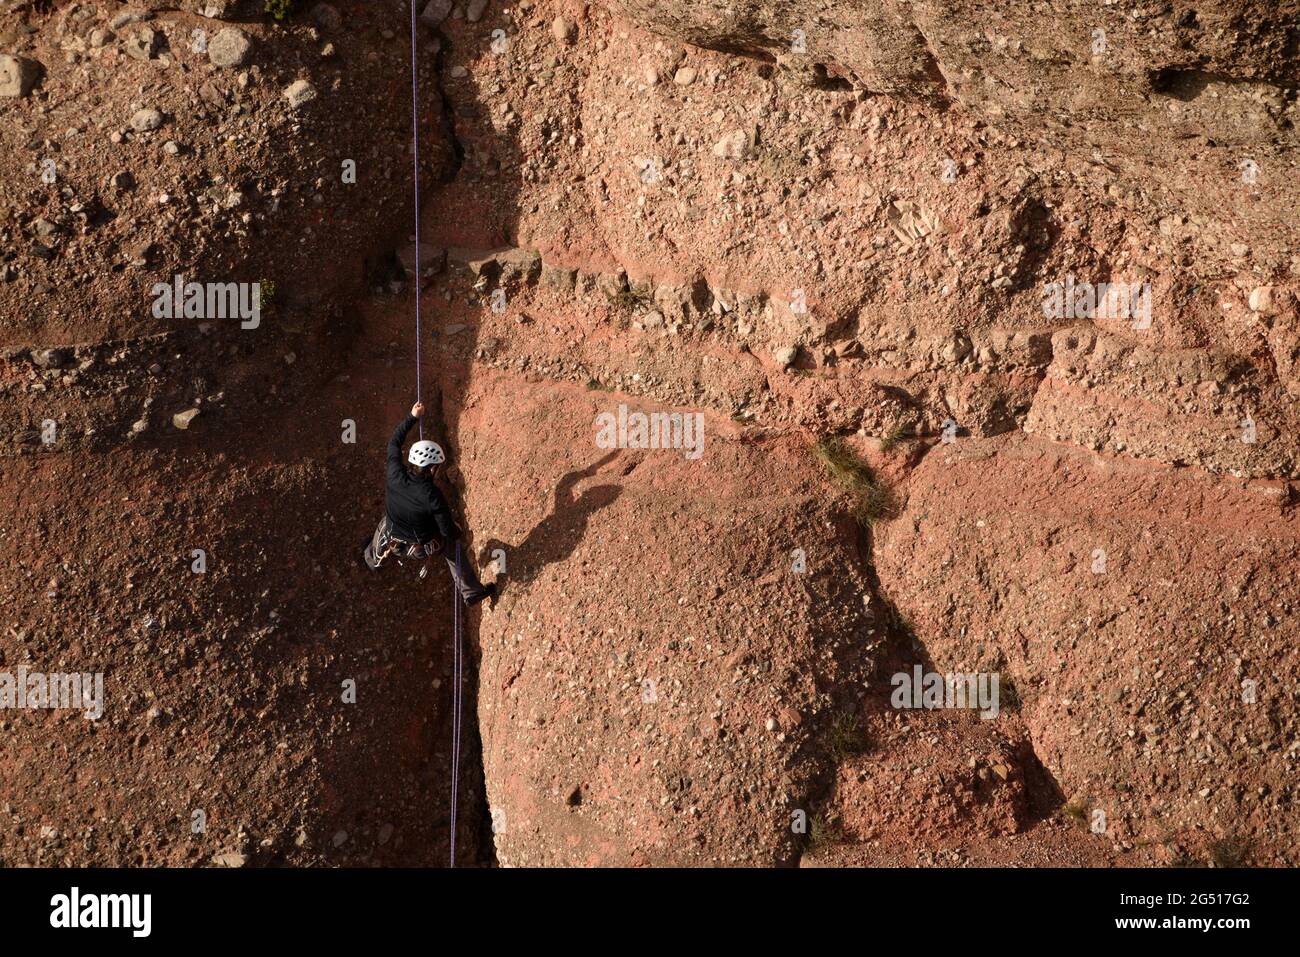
(489, 591)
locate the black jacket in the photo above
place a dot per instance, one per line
(415, 506)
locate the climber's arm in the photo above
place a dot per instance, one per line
(399, 436)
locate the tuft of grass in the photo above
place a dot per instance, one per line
(265, 295)
(1076, 811)
(1183, 859)
(823, 832)
(279, 8)
(631, 299)
(1008, 694)
(1229, 851)
(872, 499)
(899, 435)
(847, 737)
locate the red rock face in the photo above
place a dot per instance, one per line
(655, 678)
(866, 248)
(1142, 613)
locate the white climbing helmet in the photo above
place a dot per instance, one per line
(425, 453)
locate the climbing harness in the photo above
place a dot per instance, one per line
(384, 545)
(457, 619)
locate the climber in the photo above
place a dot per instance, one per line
(418, 523)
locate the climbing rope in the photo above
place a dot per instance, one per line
(457, 620)
(415, 153)
(458, 658)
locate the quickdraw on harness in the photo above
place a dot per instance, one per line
(386, 546)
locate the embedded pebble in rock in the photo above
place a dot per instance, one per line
(142, 43)
(129, 16)
(1261, 300)
(18, 75)
(564, 29)
(230, 47)
(326, 16)
(299, 93)
(435, 12)
(147, 119)
(474, 10)
(734, 146)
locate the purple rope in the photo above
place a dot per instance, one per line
(457, 623)
(415, 130)
(457, 668)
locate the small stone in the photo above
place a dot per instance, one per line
(685, 76)
(299, 93)
(651, 76)
(51, 358)
(385, 833)
(127, 17)
(230, 859)
(563, 29)
(145, 120)
(770, 724)
(182, 420)
(459, 71)
(123, 181)
(326, 16)
(170, 148)
(340, 838)
(431, 257)
(1261, 300)
(18, 75)
(786, 355)
(143, 44)
(230, 47)
(735, 145)
(436, 12)
(474, 10)
(139, 425)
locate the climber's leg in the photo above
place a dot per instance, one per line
(462, 573)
